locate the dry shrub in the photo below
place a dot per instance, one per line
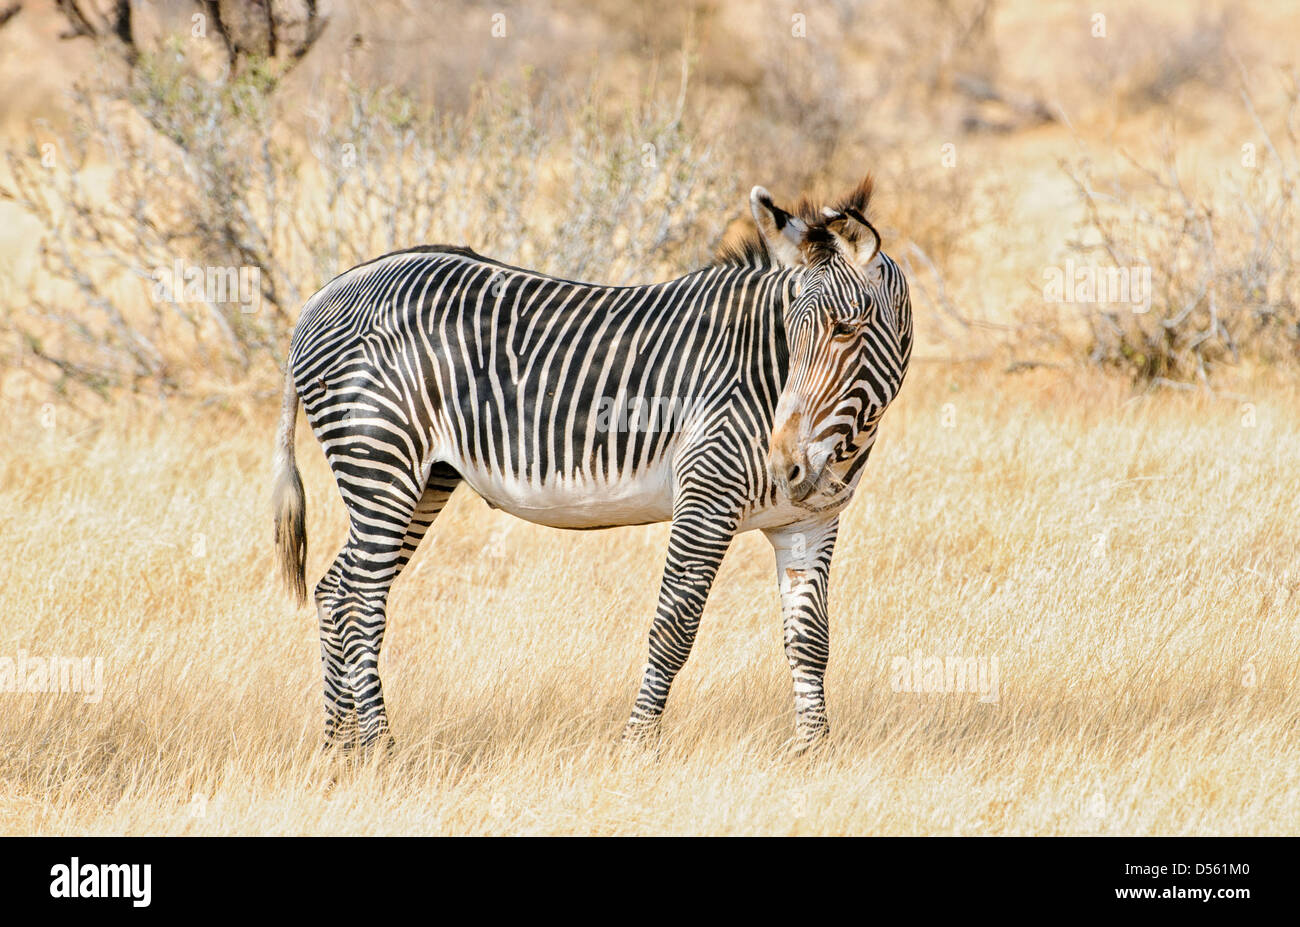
(1223, 262)
(1146, 60)
(171, 167)
(827, 102)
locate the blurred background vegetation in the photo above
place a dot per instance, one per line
(616, 142)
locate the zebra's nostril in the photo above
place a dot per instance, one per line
(795, 476)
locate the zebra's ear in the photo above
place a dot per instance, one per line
(782, 233)
(858, 238)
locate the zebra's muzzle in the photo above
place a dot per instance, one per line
(791, 472)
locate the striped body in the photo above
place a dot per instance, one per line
(518, 380)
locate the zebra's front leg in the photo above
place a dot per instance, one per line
(803, 564)
(697, 543)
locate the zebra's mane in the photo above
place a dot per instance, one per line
(819, 243)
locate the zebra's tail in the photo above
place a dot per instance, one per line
(288, 499)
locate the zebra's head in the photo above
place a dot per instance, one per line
(848, 329)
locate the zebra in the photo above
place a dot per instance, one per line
(434, 366)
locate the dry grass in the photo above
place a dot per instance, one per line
(514, 650)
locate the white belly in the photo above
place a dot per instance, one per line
(579, 501)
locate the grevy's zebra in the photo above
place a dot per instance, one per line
(430, 367)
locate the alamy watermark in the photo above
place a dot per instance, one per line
(624, 413)
(75, 879)
(25, 673)
(192, 283)
(948, 674)
(1088, 283)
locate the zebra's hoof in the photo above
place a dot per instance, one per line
(361, 750)
(333, 747)
(808, 747)
(378, 746)
(639, 741)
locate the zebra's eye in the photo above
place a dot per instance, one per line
(843, 331)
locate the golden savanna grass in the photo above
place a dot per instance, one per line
(1129, 561)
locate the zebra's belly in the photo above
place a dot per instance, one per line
(579, 501)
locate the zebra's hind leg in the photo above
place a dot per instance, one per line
(341, 730)
(803, 564)
(352, 604)
(701, 532)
